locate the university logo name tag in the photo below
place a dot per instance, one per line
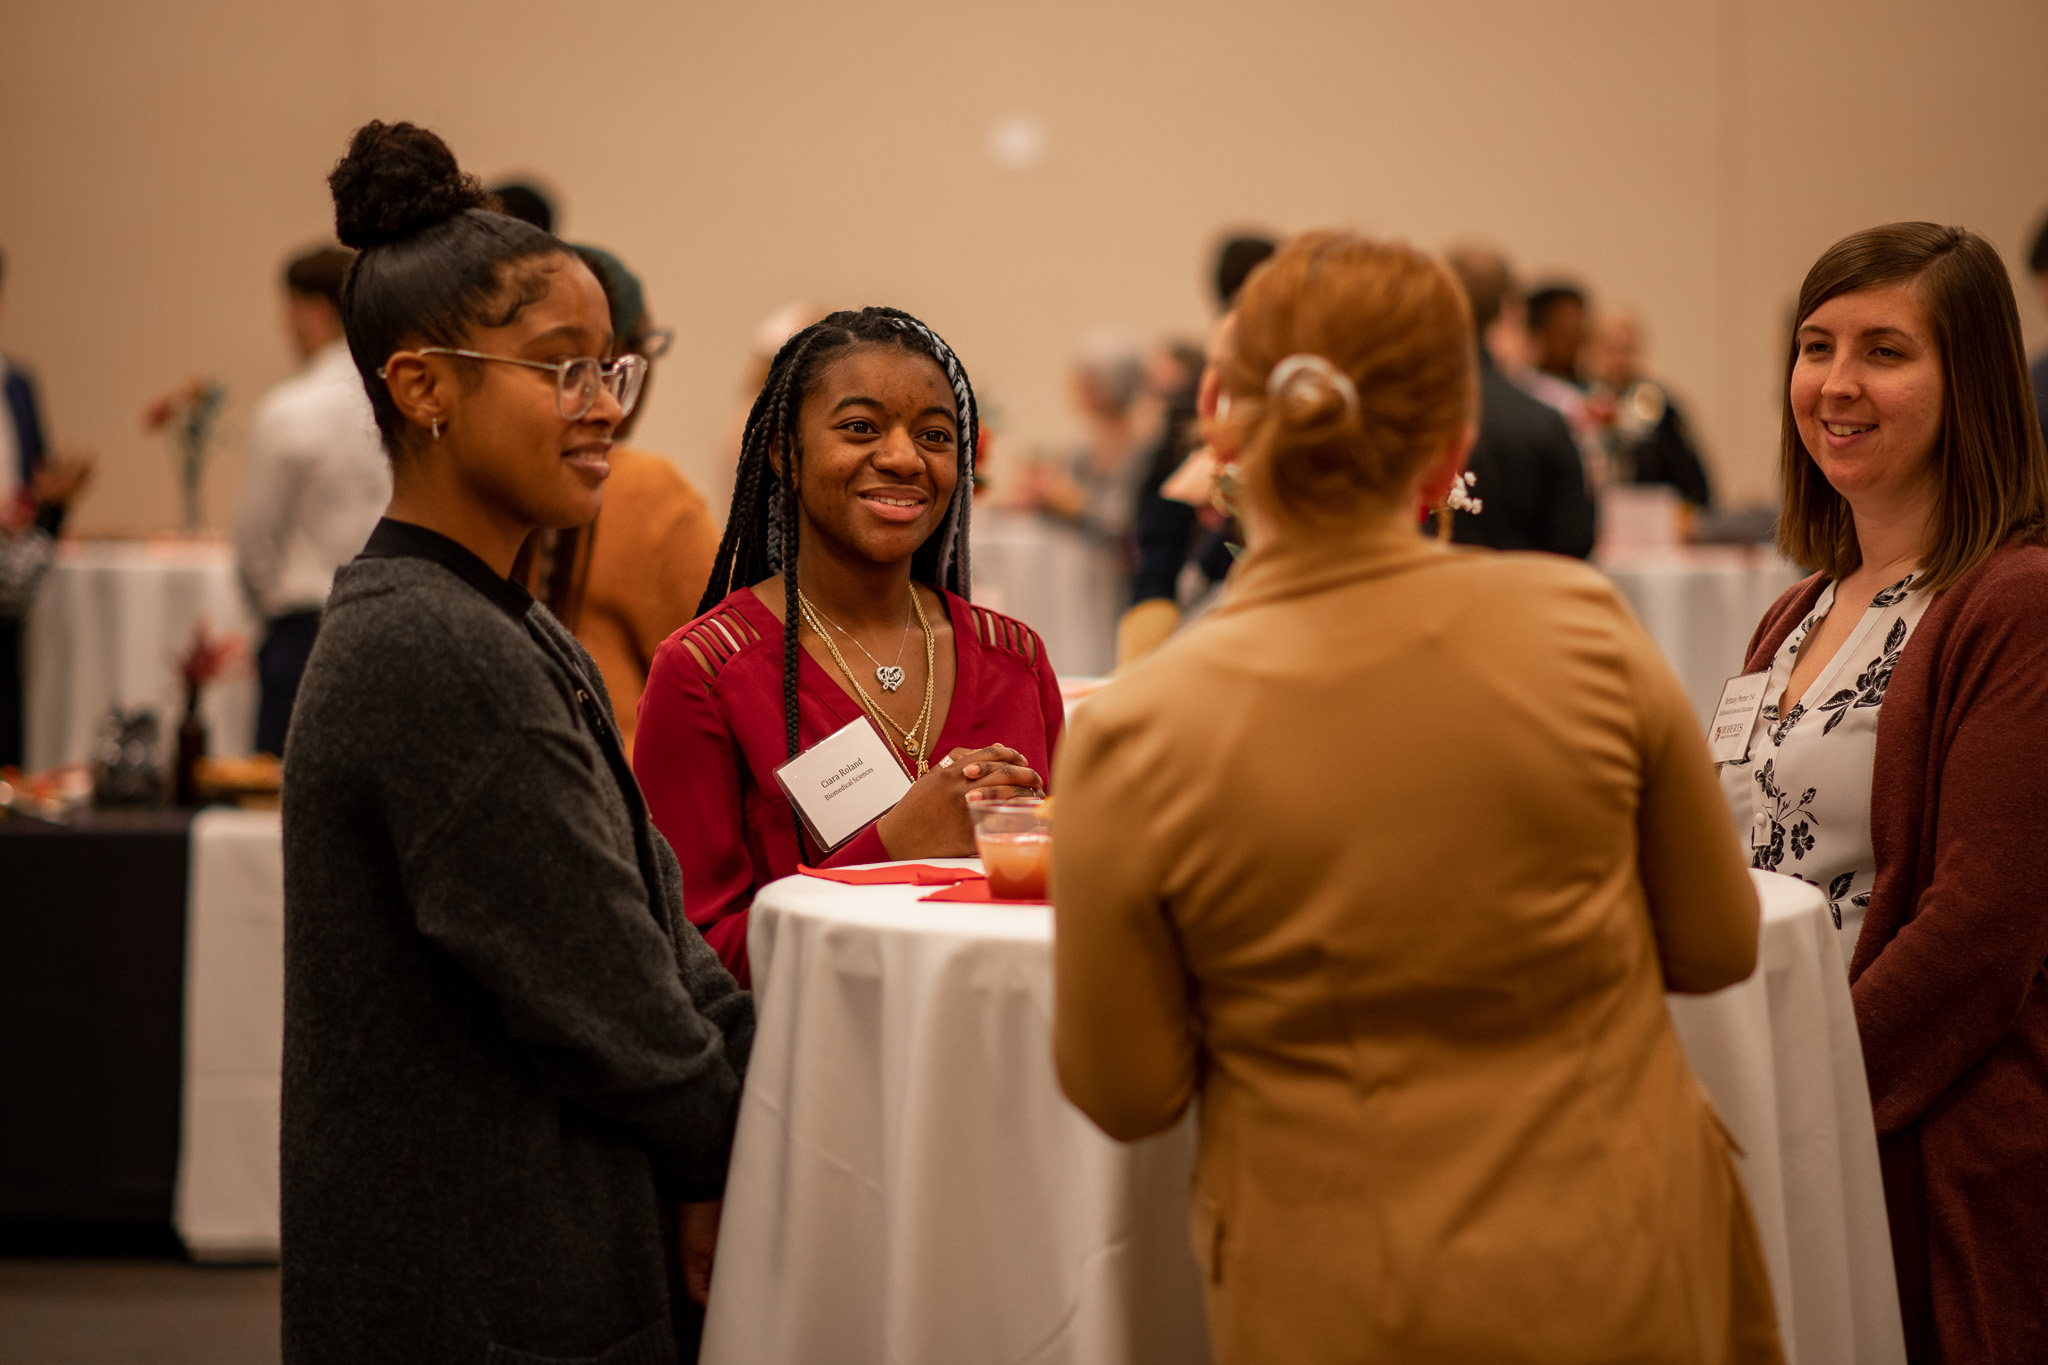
(1742, 699)
(843, 782)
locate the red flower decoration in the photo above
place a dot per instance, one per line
(209, 656)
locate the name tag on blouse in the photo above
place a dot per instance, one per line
(1742, 700)
(843, 782)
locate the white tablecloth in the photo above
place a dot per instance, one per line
(1701, 604)
(1063, 584)
(226, 1206)
(107, 628)
(1780, 1057)
(908, 1186)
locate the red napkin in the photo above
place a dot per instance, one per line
(896, 874)
(976, 890)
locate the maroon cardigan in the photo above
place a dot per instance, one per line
(1950, 972)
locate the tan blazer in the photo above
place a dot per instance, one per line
(1390, 861)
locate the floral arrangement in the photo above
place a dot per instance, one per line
(207, 657)
(192, 409)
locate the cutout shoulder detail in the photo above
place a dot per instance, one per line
(997, 631)
(715, 638)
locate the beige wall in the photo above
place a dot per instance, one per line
(1689, 160)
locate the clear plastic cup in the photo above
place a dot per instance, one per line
(1015, 839)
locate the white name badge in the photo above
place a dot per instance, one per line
(1742, 699)
(843, 782)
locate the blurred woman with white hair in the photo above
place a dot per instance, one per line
(1121, 412)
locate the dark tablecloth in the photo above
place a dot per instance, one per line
(92, 985)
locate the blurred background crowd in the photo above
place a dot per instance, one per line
(1629, 195)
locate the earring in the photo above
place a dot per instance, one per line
(1227, 488)
(437, 428)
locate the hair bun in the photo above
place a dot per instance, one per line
(1308, 390)
(397, 179)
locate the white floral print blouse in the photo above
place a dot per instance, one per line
(1802, 796)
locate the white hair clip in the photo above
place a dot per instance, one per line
(1305, 367)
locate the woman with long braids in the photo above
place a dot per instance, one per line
(511, 1070)
(840, 592)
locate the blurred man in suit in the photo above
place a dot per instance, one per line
(21, 428)
(35, 492)
(1528, 470)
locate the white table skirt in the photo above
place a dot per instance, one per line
(1780, 1057)
(908, 1185)
(1057, 580)
(1701, 604)
(227, 1193)
(107, 628)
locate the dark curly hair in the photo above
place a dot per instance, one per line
(761, 528)
(436, 258)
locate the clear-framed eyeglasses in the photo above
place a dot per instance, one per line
(577, 382)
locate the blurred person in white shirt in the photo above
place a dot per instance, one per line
(315, 483)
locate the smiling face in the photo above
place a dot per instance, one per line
(508, 442)
(1866, 394)
(880, 453)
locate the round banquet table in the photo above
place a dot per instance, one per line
(226, 1205)
(1780, 1058)
(1701, 603)
(909, 1187)
(1055, 579)
(107, 628)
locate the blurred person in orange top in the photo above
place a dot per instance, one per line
(632, 577)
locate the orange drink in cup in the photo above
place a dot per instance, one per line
(1015, 839)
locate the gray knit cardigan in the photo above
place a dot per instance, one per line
(507, 1055)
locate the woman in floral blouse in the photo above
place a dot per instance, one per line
(1901, 760)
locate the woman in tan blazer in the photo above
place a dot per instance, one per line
(1390, 862)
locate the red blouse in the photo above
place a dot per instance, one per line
(710, 737)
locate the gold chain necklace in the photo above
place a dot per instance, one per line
(918, 748)
(889, 675)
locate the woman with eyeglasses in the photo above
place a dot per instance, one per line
(632, 577)
(511, 1067)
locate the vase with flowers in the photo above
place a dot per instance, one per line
(190, 411)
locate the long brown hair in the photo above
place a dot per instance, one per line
(1991, 461)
